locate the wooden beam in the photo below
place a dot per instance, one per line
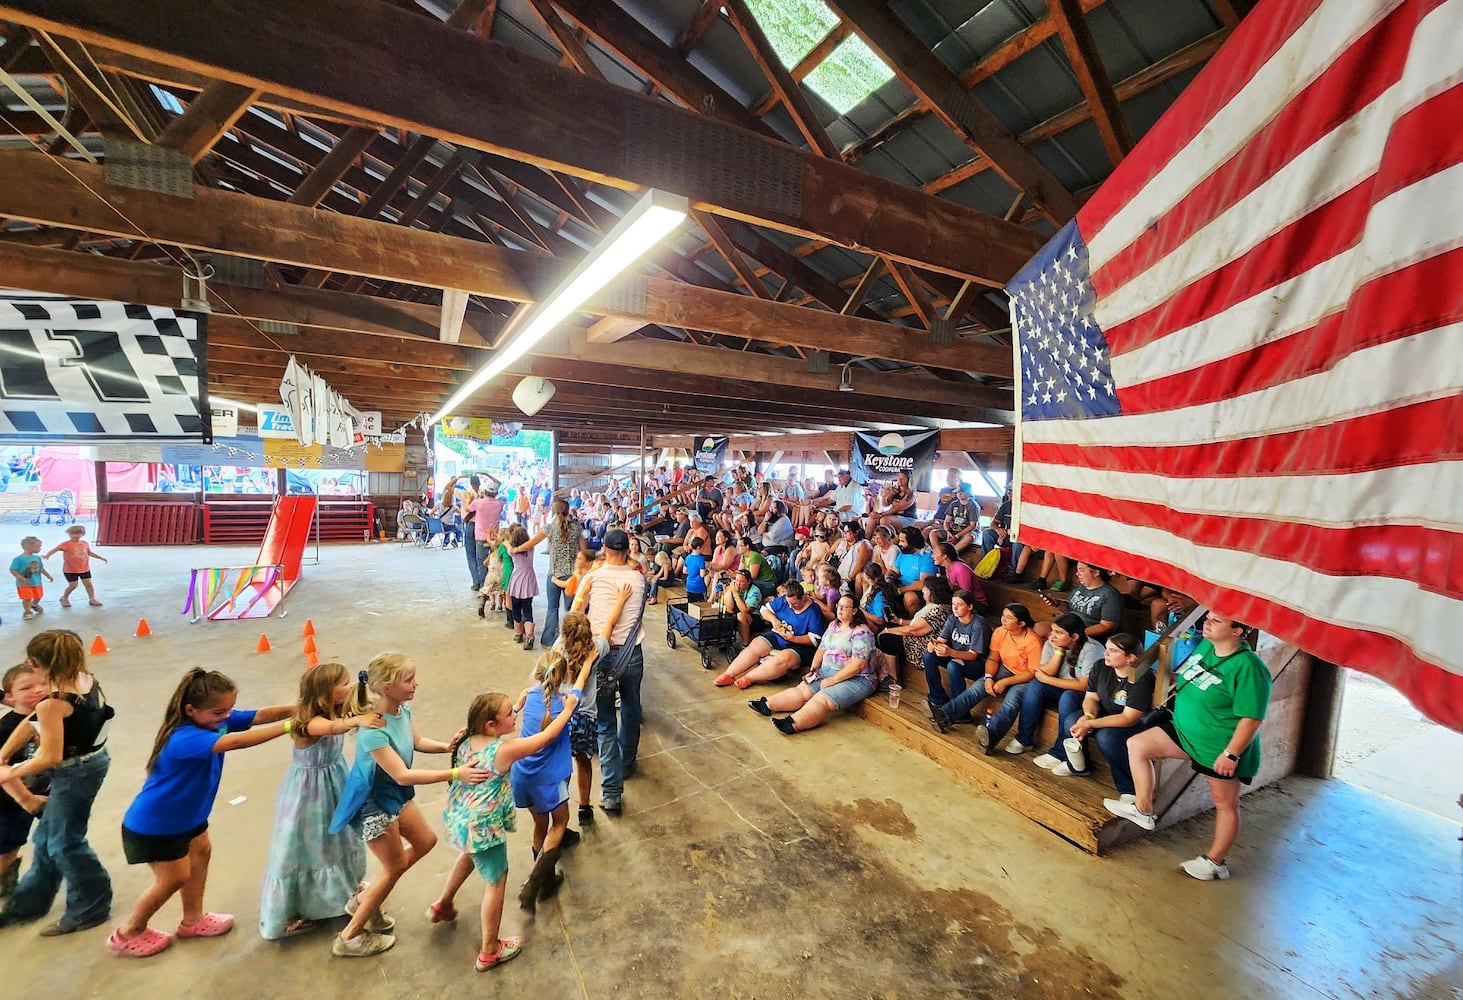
(724, 245)
(332, 167)
(32, 189)
(919, 69)
(208, 118)
(786, 88)
(982, 440)
(611, 329)
(861, 290)
(689, 38)
(574, 49)
(389, 66)
(454, 309)
(1092, 78)
(90, 88)
(807, 63)
(913, 290)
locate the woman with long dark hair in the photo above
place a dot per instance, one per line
(565, 540)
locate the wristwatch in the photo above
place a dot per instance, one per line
(1231, 756)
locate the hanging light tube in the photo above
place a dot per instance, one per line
(652, 219)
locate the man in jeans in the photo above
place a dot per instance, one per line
(487, 513)
(619, 737)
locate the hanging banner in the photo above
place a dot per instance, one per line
(708, 453)
(82, 371)
(225, 420)
(276, 422)
(879, 458)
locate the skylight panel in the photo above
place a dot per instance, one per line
(793, 27)
(849, 75)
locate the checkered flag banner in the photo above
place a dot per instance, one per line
(83, 371)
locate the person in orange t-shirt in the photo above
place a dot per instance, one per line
(76, 556)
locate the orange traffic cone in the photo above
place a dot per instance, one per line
(263, 645)
(98, 646)
(143, 629)
(309, 627)
(309, 644)
(313, 661)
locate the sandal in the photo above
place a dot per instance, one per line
(64, 603)
(95, 603)
(441, 913)
(743, 682)
(143, 945)
(299, 926)
(724, 679)
(207, 926)
(508, 948)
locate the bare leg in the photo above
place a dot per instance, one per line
(1143, 750)
(558, 822)
(1226, 817)
(584, 776)
(774, 667)
(91, 591)
(748, 657)
(461, 869)
(169, 877)
(540, 830)
(71, 587)
(200, 851)
(790, 700)
(811, 715)
(395, 861)
(492, 915)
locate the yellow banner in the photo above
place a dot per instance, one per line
(387, 458)
(280, 453)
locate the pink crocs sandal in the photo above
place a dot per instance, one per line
(143, 945)
(441, 913)
(508, 949)
(208, 925)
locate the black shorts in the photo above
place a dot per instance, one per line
(1168, 727)
(73, 577)
(145, 848)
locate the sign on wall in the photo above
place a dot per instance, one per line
(85, 371)
(879, 458)
(708, 452)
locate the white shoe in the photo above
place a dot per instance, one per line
(1064, 770)
(1016, 747)
(1128, 797)
(27, 616)
(1205, 870)
(1131, 812)
(1046, 761)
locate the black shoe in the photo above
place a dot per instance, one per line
(628, 771)
(482, 606)
(1012, 577)
(1040, 585)
(760, 707)
(939, 719)
(571, 838)
(784, 725)
(586, 815)
(984, 741)
(613, 808)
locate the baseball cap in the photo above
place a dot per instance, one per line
(617, 541)
(802, 532)
(845, 472)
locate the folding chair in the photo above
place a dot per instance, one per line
(413, 527)
(434, 530)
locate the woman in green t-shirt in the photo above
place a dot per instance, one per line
(1223, 689)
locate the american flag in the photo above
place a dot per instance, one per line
(1241, 366)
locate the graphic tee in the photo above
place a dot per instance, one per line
(1214, 694)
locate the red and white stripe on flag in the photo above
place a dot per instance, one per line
(1269, 293)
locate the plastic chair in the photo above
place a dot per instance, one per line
(434, 530)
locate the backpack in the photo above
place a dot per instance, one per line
(989, 563)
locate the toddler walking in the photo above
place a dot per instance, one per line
(28, 568)
(22, 799)
(76, 556)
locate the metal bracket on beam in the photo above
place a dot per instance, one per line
(942, 331)
(147, 168)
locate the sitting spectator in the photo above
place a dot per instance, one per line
(841, 675)
(914, 566)
(1116, 698)
(695, 567)
(962, 521)
(853, 551)
(958, 650)
(954, 488)
(878, 598)
(739, 596)
(896, 505)
(815, 552)
(909, 639)
(764, 574)
(1060, 683)
(885, 551)
(1015, 653)
(960, 575)
(1169, 608)
(1223, 692)
(1096, 601)
(777, 530)
(724, 557)
(826, 591)
(796, 625)
(990, 538)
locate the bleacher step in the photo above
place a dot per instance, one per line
(1070, 807)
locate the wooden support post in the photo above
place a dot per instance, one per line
(1316, 757)
(103, 493)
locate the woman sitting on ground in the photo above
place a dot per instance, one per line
(1096, 601)
(1116, 699)
(915, 567)
(1222, 694)
(842, 675)
(909, 640)
(796, 627)
(1060, 682)
(739, 596)
(878, 597)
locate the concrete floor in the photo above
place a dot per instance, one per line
(747, 864)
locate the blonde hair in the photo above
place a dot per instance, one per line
(551, 671)
(317, 686)
(386, 670)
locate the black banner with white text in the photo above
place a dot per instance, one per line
(879, 458)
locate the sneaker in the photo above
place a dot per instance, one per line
(39, 610)
(613, 808)
(378, 923)
(1128, 797)
(1131, 812)
(27, 616)
(1064, 770)
(983, 739)
(586, 815)
(1046, 761)
(363, 945)
(940, 720)
(1016, 748)
(571, 838)
(1058, 586)
(1205, 870)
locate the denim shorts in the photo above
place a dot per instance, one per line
(374, 820)
(491, 864)
(847, 693)
(541, 798)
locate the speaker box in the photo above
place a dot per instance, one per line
(533, 394)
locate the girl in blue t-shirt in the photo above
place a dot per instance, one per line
(166, 827)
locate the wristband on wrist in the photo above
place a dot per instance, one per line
(452, 774)
(1088, 715)
(288, 725)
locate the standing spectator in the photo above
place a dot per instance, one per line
(565, 543)
(522, 505)
(619, 723)
(487, 513)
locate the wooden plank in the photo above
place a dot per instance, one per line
(89, 87)
(786, 88)
(931, 80)
(861, 290)
(208, 117)
(733, 256)
(328, 172)
(573, 48)
(611, 329)
(390, 67)
(692, 34)
(909, 284)
(454, 309)
(1092, 78)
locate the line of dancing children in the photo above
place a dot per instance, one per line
(328, 811)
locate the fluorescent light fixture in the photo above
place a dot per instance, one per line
(650, 221)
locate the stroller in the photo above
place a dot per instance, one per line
(57, 508)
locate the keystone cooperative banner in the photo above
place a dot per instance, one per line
(879, 458)
(81, 371)
(708, 452)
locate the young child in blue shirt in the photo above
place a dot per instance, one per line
(695, 566)
(27, 569)
(166, 827)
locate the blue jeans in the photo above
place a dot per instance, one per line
(619, 738)
(553, 602)
(474, 560)
(959, 706)
(1036, 698)
(959, 672)
(62, 854)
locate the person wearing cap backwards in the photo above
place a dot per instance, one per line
(619, 737)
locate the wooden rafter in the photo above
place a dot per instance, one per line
(783, 85)
(691, 36)
(807, 63)
(1092, 78)
(914, 291)
(733, 256)
(207, 119)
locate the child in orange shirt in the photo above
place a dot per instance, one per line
(76, 556)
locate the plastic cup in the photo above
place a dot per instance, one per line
(894, 691)
(1076, 759)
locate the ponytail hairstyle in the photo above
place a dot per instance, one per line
(199, 688)
(484, 709)
(59, 653)
(560, 509)
(879, 583)
(1129, 644)
(576, 635)
(1074, 626)
(316, 697)
(551, 671)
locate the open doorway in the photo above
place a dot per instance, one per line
(1385, 745)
